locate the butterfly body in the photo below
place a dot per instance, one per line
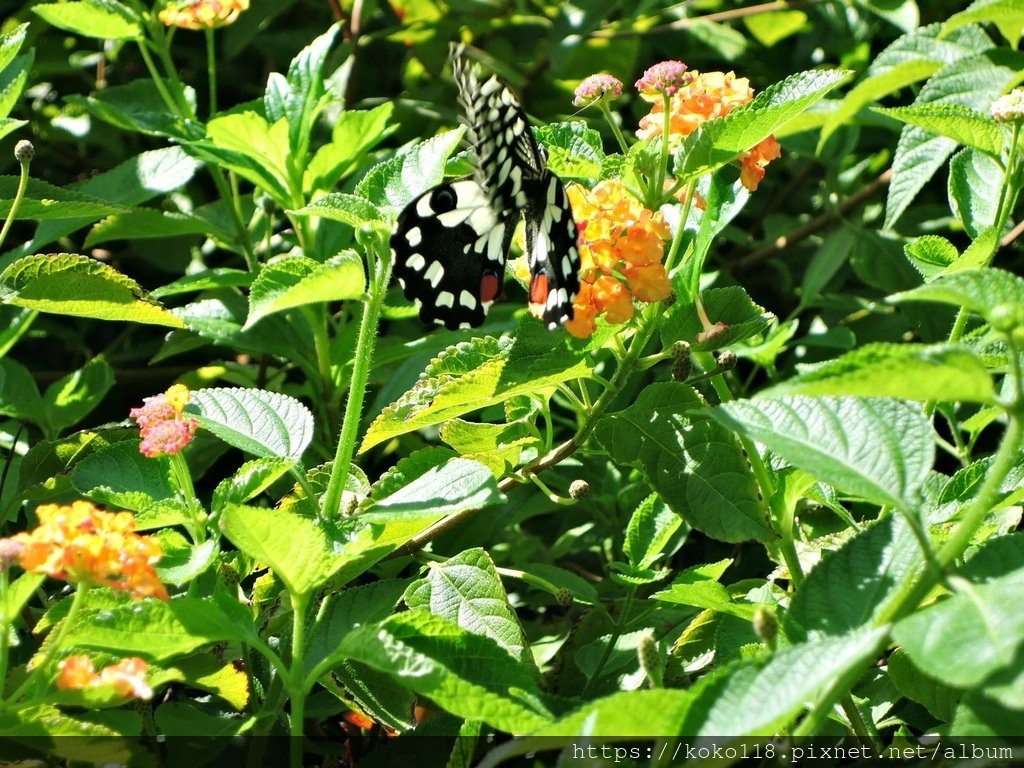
(450, 243)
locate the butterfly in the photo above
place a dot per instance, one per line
(450, 243)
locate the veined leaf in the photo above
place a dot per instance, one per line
(296, 281)
(91, 19)
(979, 290)
(266, 424)
(962, 124)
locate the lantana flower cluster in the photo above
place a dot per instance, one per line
(164, 428)
(127, 677)
(82, 544)
(693, 101)
(621, 245)
(202, 14)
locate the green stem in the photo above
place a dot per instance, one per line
(5, 626)
(603, 105)
(182, 476)
(53, 646)
(612, 639)
(211, 68)
(18, 197)
(365, 343)
(297, 678)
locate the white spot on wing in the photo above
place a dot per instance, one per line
(445, 299)
(416, 262)
(414, 236)
(434, 273)
(467, 300)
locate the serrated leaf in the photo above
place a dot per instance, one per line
(978, 290)
(754, 700)
(69, 284)
(663, 712)
(143, 223)
(931, 255)
(452, 487)
(45, 202)
(498, 446)
(1007, 15)
(158, 630)
(699, 586)
(249, 480)
(574, 150)
(10, 44)
(649, 531)
(302, 559)
(265, 424)
(849, 587)
(956, 121)
(354, 133)
(720, 141)
(875, 448)
(467, 675)
(120, 476)
(472, 375)
(348, 209)
(182, 561)
(981, 626)
(691, 461)
(973, 82)
(207, 280)
(90, 19)
(975, 182)
(923, 372)
(466, 590)
(398, 180)
(296, 281)
(731, 305)
(939, 699)
(303, 92)
(137, 106)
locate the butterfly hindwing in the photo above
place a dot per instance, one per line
(449, 250)
(450, 243)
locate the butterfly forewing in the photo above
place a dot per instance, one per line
(450, 244)
(449, 250)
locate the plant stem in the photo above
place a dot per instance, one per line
(211, 67)
(196, 525)
(603, 106)
(18, 197)
(297, 678)
(610, 645)
(365, 343)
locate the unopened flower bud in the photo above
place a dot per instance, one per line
(682, 363)
(650, 659)
(564, 597)
(766, 626)
(24, 151)
(726, 360)
(579, 489)
(1009, 107)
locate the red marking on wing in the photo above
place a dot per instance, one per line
(489, 287)
(539, 289)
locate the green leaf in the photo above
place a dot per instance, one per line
(940, 372)
(485, 371)
(160, 631)
(574, 150)
(69, 284)
(939, 699)
(13, 78)
(849, 587)
(975, 181)
(499, 446)
(973, 82)
(19, 395)
(878, 449)
(44, 202)
(296, 281)
(731, 305)
(754, 700)
(662, 710)
(771, 28)
(1007, 15)
(466, 590)
(302, 558)
(465, 674)
(265, 424)
(137, 106)
(91, 19)
(956, 121)
(120, 476)
(720, 141)
(143, 223)
(691, 461)
(72, 397)
(981, 626)
(400, 179)
(182, 560)
(250, 480)
(341, 613)
(348, 209)
(977, 290)
(207, 280)
(10, 44)
(699, 586)
(995, 557)
(457, 485)
(931, 255)
(353, 135)
(650, 529)
(253, 148)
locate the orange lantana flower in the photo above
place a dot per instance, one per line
(707, 96)
(163, 426)
(622, 245)
(202, 14)
(127, 677)
(82, 544)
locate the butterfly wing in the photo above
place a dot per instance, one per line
(551, 249)
(449, 251)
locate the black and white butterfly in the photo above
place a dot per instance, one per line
(451, 242)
